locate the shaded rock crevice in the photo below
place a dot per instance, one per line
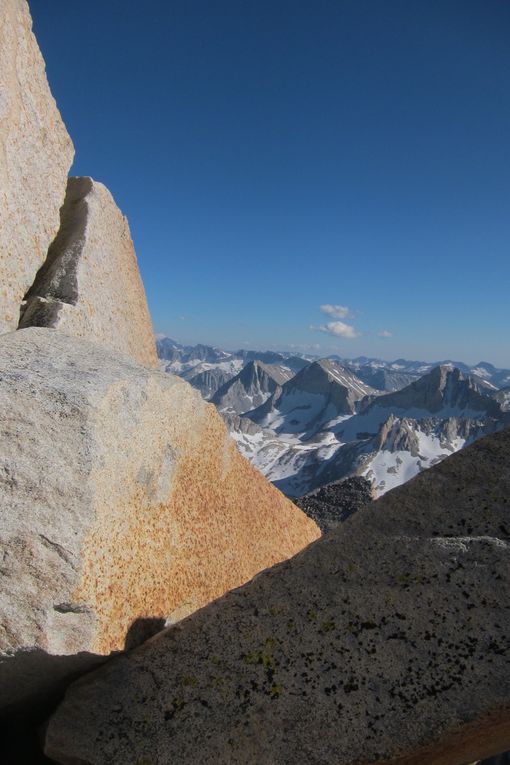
(35, 156)
(89, 285)
(56, 282)
(66, 555)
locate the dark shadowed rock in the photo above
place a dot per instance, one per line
(385, 641)
(334, 503)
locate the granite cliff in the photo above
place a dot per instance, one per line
(124, 503)
(35, 156)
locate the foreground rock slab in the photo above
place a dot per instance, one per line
(35, 156)
(386, 641)
(89, 285)
(123, 503)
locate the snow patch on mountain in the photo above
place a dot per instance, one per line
(387, 469)
(305, 423)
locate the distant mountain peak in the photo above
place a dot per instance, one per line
(444, 387)
(305, 422)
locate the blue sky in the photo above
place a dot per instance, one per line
(274, 157)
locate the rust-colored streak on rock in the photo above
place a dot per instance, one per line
(221, 524)
(122, 498)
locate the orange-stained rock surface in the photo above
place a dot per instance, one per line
(122, 499)
(384, 643)
(202, 521)
(35, 156)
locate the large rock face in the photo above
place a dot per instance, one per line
(89, 286)
(35, 155)
(123, 499)
(386, 641)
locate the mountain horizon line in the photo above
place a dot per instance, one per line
(361, 358)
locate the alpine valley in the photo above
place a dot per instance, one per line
(305, 422)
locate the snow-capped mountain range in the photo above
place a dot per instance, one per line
(305, 422)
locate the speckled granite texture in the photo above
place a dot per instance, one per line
(122, 499)
(385, 641)
(89, 285)
(35, 156)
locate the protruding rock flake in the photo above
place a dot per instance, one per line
(89, 285)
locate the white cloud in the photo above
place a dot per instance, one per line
(337, 328)
(385, 333)
(336, 311)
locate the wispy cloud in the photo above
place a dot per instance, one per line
(305, 346)
(336, 311)
(338, 329)
(385, 333)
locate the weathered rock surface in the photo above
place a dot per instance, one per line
(89, 286)
(333, 503)
(123, 499)
(386, 641)
(35, 156)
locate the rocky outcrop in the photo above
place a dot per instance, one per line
(124, 504)
(251, 387)
(35, 156)
(89, 285)
(443, 388)
(334, 503)
(208, 381)
(87, 282)
(386, 641)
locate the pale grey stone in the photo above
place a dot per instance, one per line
(35, 156)
(123, 500)
(89, 285)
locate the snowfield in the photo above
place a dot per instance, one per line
(306, 422)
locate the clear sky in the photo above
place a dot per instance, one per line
(276, 156)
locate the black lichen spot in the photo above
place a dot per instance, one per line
(177, 705)
(351, 686)
(370, 625)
